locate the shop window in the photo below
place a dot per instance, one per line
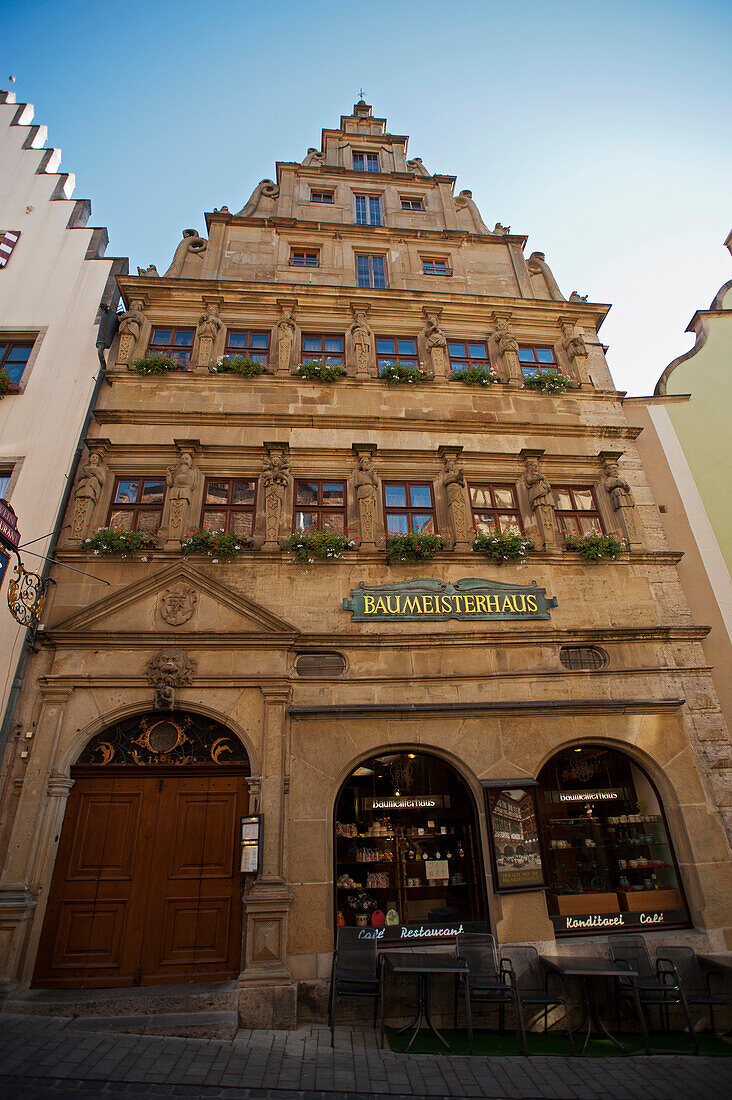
(411, 204)
(319, 664)
(399, 349)
(406, 845)
(533, 359)
(305, 257)
(495, 507)
(323, 349)
(137, 503)
(583, 658)
(252, 345)
(172, 343)
(409, 507)
(467, 353)
(432, 265)
(576, 510)
(320, 504)
(368, 210)
(371, 271)
(321, 196)
(365, 162)
(228, 505)
(610, 864)
(14, 356)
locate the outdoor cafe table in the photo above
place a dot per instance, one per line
(718, 964)
(589, 970)
(424, 964)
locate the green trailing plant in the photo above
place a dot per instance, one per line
(549, 381)
(155, 364)
(594, 547)
(115, 540)
(6, 386)
(412, 547)
(314, 543)
(499, 546)
(398, 372)
(476, 376)
(237, 364)
(215, 544)
(321, 372)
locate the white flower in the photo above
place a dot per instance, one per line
(144, 559)
(215, 561)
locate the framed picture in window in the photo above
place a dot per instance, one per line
(515, 830)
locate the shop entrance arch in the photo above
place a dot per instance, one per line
(146, 886)
(407, 844)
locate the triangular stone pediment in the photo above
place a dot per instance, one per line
(178, 598)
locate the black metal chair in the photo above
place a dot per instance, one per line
(354, 971)
(682, 963)
(655, 986)
(487, 981)
(532, 983)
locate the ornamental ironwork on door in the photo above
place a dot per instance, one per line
(173, 739)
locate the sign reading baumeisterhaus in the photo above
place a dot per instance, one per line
(428, 600)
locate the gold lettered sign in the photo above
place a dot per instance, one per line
(428, 600)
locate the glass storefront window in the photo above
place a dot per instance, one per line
(610, 865)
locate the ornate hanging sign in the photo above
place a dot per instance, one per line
(427, 600)
(26, 595)
(9, 533)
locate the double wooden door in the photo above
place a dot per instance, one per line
(146, 886)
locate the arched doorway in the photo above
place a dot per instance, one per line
(407, 845)
(146, 884)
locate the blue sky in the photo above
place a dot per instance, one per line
(600, 130)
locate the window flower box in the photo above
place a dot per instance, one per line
(215, 544)
(320, 372)
(549, 381)
(476, 376)
(114, 540)
(314, 543)
(238, 364)
(396, 373)
(499, 546)
(155, 364)
(6, 386)
(412, 547)
(594, 547)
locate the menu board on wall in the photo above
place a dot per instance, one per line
(515, 843)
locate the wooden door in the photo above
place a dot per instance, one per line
(146, 883)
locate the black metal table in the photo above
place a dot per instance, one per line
(588, 969)
(424, 964)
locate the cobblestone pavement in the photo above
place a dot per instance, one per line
(57, 1057)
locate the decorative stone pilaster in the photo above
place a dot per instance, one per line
(621, 497)
(89, 488)
(209, 326)
(181, 480)
(366, 485)
(507, 348)
(540, 498)
(276, 479)
(286, 336)
(131, 325)
(576, 350)
(360, 342)
(435, 342)
(453, 482)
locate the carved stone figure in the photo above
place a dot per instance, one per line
(575, 296)
(167, 670)
(436, 343)
(362, 336)
(366, 482)
(286, 331)
(453, 480)
(313, 156)
(130, 327)
(501, 230)
(89, 489)
(574, 343)
(191, 243)
(181, 481)
(177, 603)
(464, 201)
(415, 165)
(265, 189)
(621, 498)
(209, 326)
(152, 271)
(508, 349)
(537, 265)
(276, 478)
(540, 499)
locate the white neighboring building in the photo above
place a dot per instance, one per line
(53, 279)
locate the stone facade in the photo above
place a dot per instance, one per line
(490, 697)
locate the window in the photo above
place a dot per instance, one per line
(466, 353)
(228, 505)
(320, 504)
(584, 658)
(320, 664)
(4, 483)
(411, 204)
(172, 343)
(577, 511)
(365, 162)
(252, 345)
(368, 210)
(137, 503)
(409, 507)
(495, 506)
(371, 271)
(433, 266)
(533, 359)
(321, 196)
(325, 349)
(8, 240)
(14, 356)
(300, 257)
(390, 349)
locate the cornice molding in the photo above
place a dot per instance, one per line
(546, 706)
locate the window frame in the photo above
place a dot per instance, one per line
(136, 509)
(578, 512)
(410, 209)
(444, 260)
(330, 201)
(319, 508)
(230, 508)
(385, 359)
(495, 509)
(367, 158)
(7, 344)
(464, 363)
(570, 651)
(371, 256)
(322, 356)
(409, 509)
(168, 350)
(306, 253)
(368, 200)
(528, 370)
(257, 354)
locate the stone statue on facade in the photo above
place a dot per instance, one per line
(621, 498)
(415, 165)
(265, 189)
(181, 481)
(436, 344)
(575, 296)
(453, 480)
(276, 477)
(366, 482)
(537, 265)
(167, 670)
(465, 201)
(541, 500)
(150, 271)
(576, 349)
(501, 230)
(313, 156)
(508, 348)
(89, 489)
(209, 326)
(362, 337)
(191, 243)
(286, 332)
(130, 327)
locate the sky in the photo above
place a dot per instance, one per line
(599, 130)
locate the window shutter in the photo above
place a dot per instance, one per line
(8, 241)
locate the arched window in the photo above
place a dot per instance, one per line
(610, 864)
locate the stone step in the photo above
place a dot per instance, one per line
(139, 1001)
(187, 1025)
